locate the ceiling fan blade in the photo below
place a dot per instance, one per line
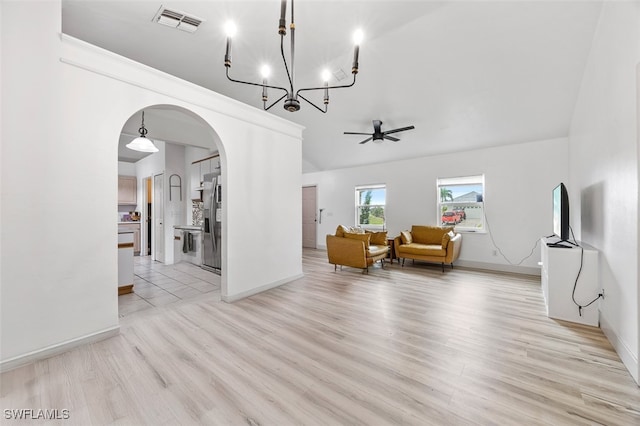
(401, 129)
(391, 138)
(357, 133)
(366, 140)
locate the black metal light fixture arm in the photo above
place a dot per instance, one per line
(255, 84)
(286, 92)
(324, 111)
(326, 88)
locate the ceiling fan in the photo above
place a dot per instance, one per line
(378, 134)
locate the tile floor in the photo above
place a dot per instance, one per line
(156, 284)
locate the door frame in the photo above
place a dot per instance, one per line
(145, 236)
(158, 205)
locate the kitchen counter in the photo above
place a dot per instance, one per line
(125, 262)
(131, 227)
(188, 227)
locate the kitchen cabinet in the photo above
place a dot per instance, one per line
(133, 227)
(195, 176)
(127, 190)
(205, 168)
(198, 170)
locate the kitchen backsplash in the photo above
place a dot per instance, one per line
(197, 209)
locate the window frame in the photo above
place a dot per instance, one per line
(363, 188)
(481, 226)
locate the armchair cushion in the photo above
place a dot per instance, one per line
(406, 237)
(378, 238)
(428, 234)
(366, 238)
(375, 250)
(423, 249)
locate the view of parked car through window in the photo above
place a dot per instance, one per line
(461, 202)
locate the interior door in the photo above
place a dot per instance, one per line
(309, 217)
(158, 217)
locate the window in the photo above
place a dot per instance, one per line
(370, 203)
(461, 203)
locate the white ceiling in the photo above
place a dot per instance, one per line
(467, 74)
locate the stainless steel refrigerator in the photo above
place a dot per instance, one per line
(212, 227)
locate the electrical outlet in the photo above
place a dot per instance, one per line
(495, 252)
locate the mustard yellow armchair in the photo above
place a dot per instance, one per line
(356, 250)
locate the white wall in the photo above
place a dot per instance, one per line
(518, 184)
(173, 205)
(126, 169)
(69, 294)
(57, 285)
(603, 162)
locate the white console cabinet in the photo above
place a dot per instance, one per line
(560, 268)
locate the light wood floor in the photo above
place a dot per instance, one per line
(398, 346)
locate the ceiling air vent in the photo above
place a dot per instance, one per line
(177, 19)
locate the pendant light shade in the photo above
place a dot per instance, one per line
(141, 143)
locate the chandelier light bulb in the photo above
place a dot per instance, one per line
(230, 29)
(358, 36)
(265, 71)
(326, 75)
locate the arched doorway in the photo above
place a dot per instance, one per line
(169, 205)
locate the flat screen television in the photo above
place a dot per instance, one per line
(561, 212)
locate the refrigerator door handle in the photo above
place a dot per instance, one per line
(212, 215)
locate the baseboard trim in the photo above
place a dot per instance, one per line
(49, 351)
(238, 296)
(629, 360)
(526, 270)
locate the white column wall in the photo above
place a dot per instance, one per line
(603, 162)
(63, 106)
(519, 180)
(173, 206)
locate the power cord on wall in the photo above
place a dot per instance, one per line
(575, 284)
(486, 220)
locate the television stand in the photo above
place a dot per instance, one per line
(558, 275)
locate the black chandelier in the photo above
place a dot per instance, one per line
(291, 102)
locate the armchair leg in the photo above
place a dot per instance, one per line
(402, 262)
(382, 262)
(335, 268)
(442, 266)
(451, 265)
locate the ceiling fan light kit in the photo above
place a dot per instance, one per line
(291, 96)
(378, 135)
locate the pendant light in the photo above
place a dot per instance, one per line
(141, 143)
